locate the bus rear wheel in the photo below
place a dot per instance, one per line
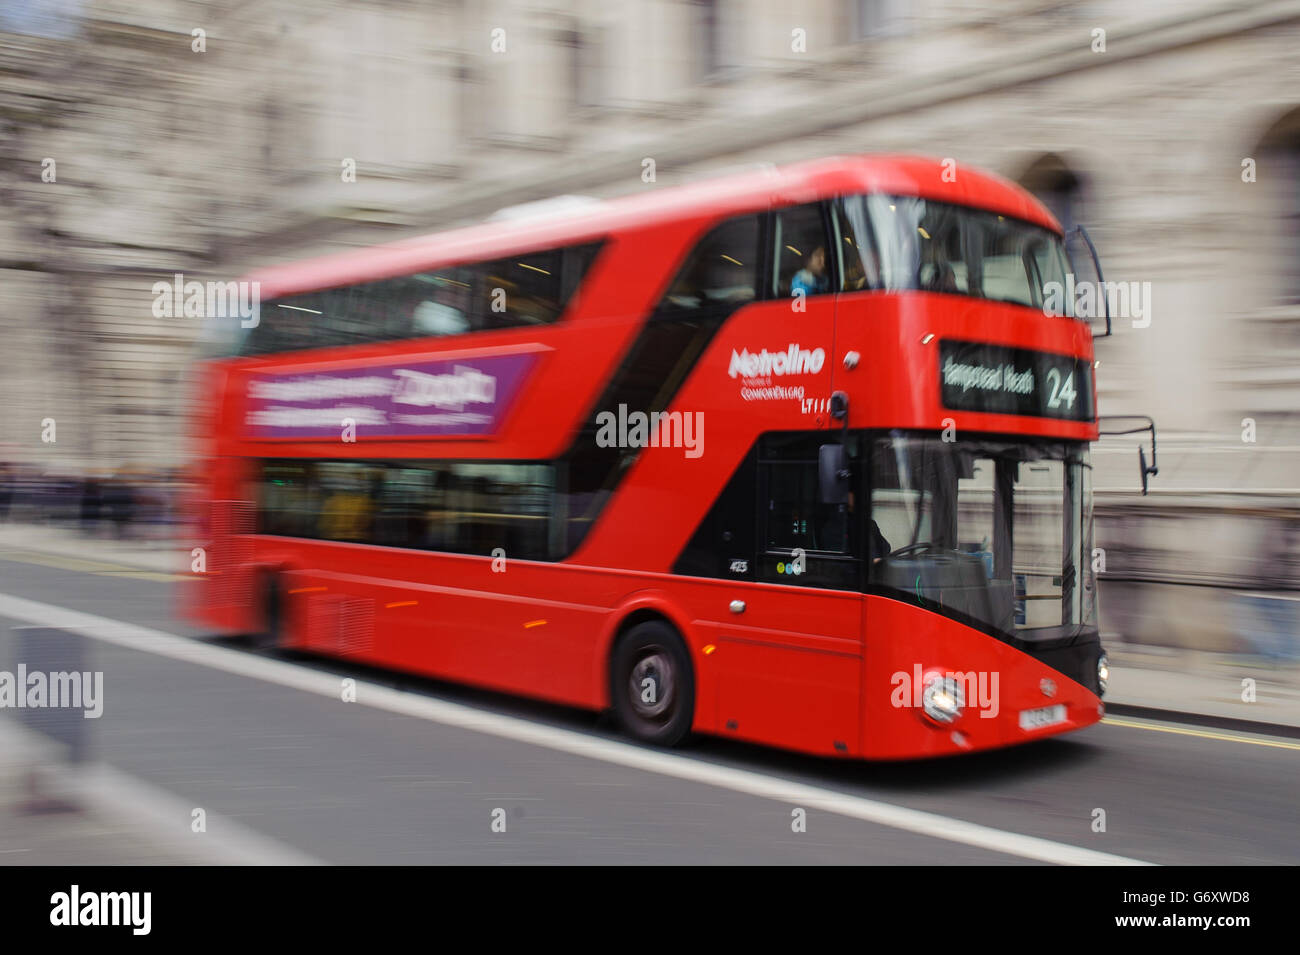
(652, 686)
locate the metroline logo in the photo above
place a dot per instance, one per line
(793, 361)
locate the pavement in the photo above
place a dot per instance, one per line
(1218, 688)
(1200, 686)
(57, 812)
(48, 818)
(96, 553)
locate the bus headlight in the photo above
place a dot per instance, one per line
(1103, 671)
(942, 700)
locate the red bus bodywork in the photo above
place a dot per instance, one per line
(806, 669)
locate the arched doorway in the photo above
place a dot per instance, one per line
(1057, 186)
(1277, 175)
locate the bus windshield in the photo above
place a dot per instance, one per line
(996, 531)
(913, 243)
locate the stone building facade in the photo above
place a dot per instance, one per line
(1170, 128)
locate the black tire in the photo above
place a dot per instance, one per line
(272, 602)
(652, 684)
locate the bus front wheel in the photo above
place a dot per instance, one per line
(651, 684)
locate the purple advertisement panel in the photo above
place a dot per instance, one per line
(443, 398)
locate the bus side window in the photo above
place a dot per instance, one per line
(519, 290)
(801, 254)
(531, 289)
(721, 270)
(348, 503)
(440, 305)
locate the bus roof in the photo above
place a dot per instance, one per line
(708, 199)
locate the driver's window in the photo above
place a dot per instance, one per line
(975, 511)
(901, 495)
(1039, 544)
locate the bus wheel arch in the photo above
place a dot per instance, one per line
(650, 678)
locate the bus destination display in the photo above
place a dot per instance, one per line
(1000, 380)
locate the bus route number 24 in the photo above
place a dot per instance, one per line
(1060, 392)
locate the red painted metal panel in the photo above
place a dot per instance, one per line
(801, 668)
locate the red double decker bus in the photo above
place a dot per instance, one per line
(794, 456)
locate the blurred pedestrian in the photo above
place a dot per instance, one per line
(119, 500)
(92, 501)
(6, 490)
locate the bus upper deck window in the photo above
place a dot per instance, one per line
(801, 261)
(721, 270)
(920, 244)
(855, 248)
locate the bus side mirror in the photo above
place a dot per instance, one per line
(1142, 463)
(1148, 470)
(832, 474)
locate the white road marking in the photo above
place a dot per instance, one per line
(507, 727)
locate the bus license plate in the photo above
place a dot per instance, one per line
(1044, 716)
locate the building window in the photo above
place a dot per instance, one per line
(708, 33)
(1288, 159)
(587, 51)
(874, 18)
(1278, 175)
(1056, 186)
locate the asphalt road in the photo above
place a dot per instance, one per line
(363, 783)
